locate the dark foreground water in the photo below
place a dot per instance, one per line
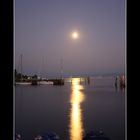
(71, 110)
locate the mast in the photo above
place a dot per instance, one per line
(61, 65)
(21, 67)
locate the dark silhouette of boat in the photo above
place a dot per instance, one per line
(57, 81)
(34, 82)
(47, 136)
(95, 135)
(17, 136)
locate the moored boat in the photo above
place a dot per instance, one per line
(58, 81)
(23, 83)
(45, 82)
(34, 82)
(47, 136)
(17, 136)
(95, 135)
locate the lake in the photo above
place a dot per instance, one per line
(71, 110)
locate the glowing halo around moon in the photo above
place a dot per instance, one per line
(75, 35)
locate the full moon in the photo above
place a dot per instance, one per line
(75, 35)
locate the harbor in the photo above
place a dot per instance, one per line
(71, 110)
(69, 70)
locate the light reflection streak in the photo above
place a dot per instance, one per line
(76, 120)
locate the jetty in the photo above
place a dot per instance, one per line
(57, 81)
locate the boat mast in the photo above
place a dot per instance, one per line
(61, 65)
(21, 67)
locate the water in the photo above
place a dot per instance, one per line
(71, 110)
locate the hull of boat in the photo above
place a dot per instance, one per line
(45, 83)
(23, 83)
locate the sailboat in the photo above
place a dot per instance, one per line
(61, 80)
(44, 81)
(22, 81)
(55, 81)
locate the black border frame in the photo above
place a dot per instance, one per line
(7, 70)
(7, 53)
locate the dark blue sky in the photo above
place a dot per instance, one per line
(42, 35)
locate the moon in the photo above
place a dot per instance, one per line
(75, 35)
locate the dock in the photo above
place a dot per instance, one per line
(57, 81)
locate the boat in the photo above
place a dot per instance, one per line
(17, 136)
(47, 136)
(57, 81)
(45, 82)
(34, 82)
(23, 83)
(22, 80)
(95, 135)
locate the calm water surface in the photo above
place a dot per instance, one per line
(71, 110)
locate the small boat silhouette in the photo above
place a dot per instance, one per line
(95, 135)
(17, 136)
(47, 136)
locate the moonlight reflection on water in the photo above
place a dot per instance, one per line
(76, 123)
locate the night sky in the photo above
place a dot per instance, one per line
(43, 36)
